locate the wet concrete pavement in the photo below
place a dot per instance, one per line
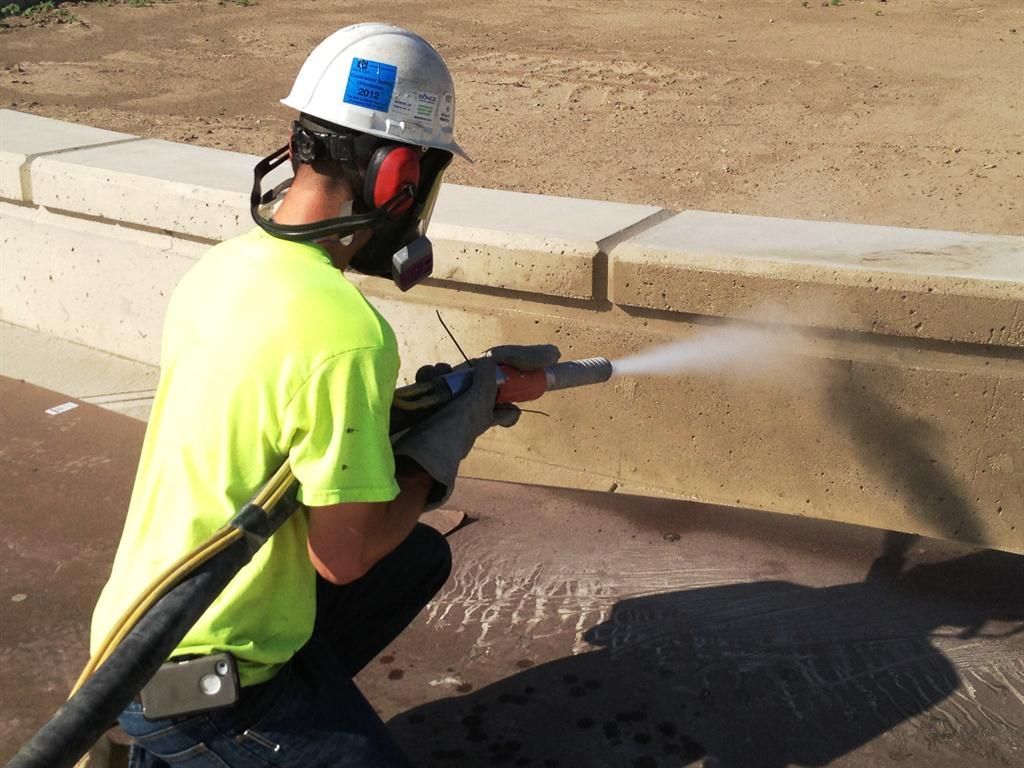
(597, 630)
(585, 629)
(66, 482)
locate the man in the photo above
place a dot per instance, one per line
(269, 355)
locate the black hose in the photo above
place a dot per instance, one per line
(87, 715)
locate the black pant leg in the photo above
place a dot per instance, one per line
(359, 619)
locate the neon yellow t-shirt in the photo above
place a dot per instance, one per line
(268, 353)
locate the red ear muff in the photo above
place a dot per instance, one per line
(392, 168)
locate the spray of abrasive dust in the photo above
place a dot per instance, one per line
(761, 344)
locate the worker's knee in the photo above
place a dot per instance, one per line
(433, 552)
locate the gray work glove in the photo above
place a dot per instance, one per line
(440, 442)
(523, 358)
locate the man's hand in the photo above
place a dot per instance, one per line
(440, 442)
(522, 358)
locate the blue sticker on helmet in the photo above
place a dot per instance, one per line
(370, 84)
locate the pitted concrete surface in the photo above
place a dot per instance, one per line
(889, 394)
(585, 629)
(27, 136)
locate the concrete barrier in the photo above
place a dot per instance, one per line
(889, 384)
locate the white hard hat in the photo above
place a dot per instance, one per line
(382, 80)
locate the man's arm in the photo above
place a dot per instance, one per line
(346, 540)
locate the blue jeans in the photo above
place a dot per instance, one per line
(310, 713)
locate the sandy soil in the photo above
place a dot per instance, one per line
(908, 112)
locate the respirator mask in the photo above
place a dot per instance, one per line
(394, 185)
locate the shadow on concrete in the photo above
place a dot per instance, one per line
(905, 452)
(765, 674)
(772, 673)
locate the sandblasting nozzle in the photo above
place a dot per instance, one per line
(577, 373)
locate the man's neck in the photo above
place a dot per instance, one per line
(312, 198)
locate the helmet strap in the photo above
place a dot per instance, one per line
(340, 226)
(397, 248)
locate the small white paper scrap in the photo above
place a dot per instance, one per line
(61, 408)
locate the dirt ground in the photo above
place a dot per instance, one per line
(907, 112)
